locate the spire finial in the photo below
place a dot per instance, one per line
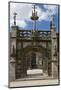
(52, 22)
(34, 17)
(52, 19)
(15, 18)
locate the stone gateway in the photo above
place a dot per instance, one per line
(33, 53)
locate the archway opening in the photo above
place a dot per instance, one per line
(33, 61)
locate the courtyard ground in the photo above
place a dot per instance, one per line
(21, 83)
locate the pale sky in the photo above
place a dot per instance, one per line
(24, 12)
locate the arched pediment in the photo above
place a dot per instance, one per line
(35, 49)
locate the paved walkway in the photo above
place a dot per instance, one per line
(19, 83)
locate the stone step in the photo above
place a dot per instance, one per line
(34, 78)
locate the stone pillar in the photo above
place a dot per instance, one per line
(13, 42)
(12, 70)
(54, 59)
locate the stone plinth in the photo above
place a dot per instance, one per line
(34, 71)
